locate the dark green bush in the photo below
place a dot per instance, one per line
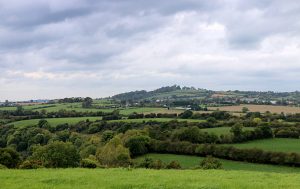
(173, 165)
(3, 166)
(88, 163)
(210, 163)
(31, 164)
(9, 157)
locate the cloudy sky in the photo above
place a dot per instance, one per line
(55, 48)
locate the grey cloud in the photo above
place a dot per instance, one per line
(142, 44)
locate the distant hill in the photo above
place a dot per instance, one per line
(177, 92)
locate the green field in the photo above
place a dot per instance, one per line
(78, 107)
(190, 162)
(222, 130)
(54, 121)
(157, 119)
(145, 179)
(275, 144)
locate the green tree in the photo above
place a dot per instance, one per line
(87, 102)
(237, 131)
(113, 154)
(245, 109)
(57, 154)
(43, 124)
(138, 145)
(186, 114)
(9, 157)
(107, 135)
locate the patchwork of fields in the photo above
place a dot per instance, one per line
(78, 107)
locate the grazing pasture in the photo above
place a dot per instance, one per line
(275, 144)
(259, 108)
(143, 178)
(157, 119)
(190, 162)
(54, 121)
(222, 130)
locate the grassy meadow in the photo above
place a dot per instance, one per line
(146, 179)
(53, 121)
(222, 130)
(157, 119)
(190, 162)
(274, 144)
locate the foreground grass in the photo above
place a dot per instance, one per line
(275, 144)
(141, 178)
(190, 162)
(54, 121)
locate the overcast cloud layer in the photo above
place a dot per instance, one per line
(55, 48)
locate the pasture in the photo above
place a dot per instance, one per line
(259, 108)
(275, 144)
(53, 121)
(146, 179)
(158, 120)
(222, 130)
(190, 162)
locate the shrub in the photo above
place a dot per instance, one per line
(107, 135)
(186, 114)
(146, 163)
(210, 163)
(3, 166)
(157, 164)
(31, 164)
(88, 163)
(9, 157)
(149, 163)
(173, 165)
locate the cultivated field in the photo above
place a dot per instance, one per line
(190, 162)
(146, 179)
(259, 108)
(275, 144)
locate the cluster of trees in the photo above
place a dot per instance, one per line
(287, 132)
(71, 100)
(260, 132)
(188, 114)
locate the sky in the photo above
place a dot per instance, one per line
(54, 49)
